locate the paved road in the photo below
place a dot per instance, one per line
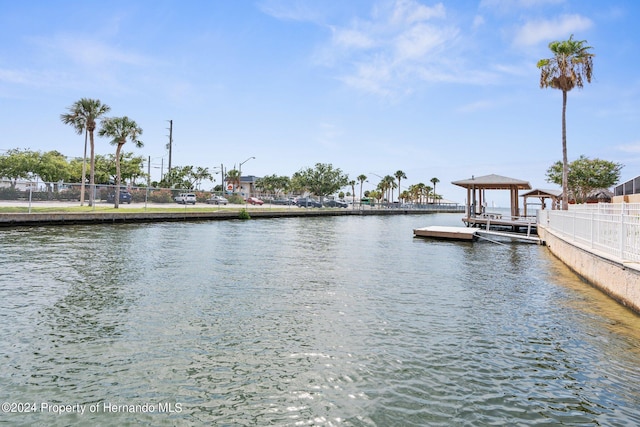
(102, 204)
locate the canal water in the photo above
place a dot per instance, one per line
(340, 321)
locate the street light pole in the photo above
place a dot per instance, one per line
(240, 170)
(224, 189)
(170, 145)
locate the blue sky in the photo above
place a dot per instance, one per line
(436, 89)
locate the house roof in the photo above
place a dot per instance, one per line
(493, 182)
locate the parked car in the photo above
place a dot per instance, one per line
(335, 204)
(217, 200)
(125, 197)
(254, 201)
(308, 202)
(283, 202)
(185, 198)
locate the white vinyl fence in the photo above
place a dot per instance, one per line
(611, 228)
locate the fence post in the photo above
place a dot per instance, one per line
(622, 231)
(592, 225)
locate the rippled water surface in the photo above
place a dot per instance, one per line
(326, 321)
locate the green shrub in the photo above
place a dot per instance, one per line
(161, 196)
(202, 196)
(139, 195)
(235, 199)
(244, 214)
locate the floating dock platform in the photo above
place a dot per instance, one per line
(442, 232)
(472, 234)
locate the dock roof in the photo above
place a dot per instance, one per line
(493, 182)
(540, 192)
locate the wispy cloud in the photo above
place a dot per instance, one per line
(15, 76)
(633, 147)
(519, 4)
(287, 10)
(476, 106)
(74, 61)
(401, 43)
(328, 134)
(90, 52)
(534, 32)
(351, 38)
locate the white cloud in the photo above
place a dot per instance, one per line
(410, 11)
(634, 147)
(91, 53)
(401, 41)
(421, 39)
(299, 10)
(371, 76)
(328, 135)
(534, 32)
(510, 4)
(476, 106)
(478, 21)
(15, 77)
(352, 38)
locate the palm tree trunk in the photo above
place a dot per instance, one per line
(565, 162)
(84, 168)
(117, 194)
(92, 171)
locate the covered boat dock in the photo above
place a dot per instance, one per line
(476, 213)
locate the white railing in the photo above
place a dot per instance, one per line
(611, 228)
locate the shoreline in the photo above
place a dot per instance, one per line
(164, 213)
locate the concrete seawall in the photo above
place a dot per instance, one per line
(36, 219)
(617, 278)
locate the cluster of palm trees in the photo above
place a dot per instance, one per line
(418, 193)
(83, 116)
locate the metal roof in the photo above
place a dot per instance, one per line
(493, 182)
(541, 192)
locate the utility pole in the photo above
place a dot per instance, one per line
(224, 189)
(170, 142)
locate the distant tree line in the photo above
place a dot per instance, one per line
(53, 167)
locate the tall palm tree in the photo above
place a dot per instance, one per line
(233, 177)
(362, 178)
(434, 181)
(83, 115)
(413, 193)
(427, 192)
(399, 176)
(389, 185)
(352, 183)
(571, 64)
(419, 189)
(120, 129)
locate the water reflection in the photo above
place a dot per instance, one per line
(326, 321)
